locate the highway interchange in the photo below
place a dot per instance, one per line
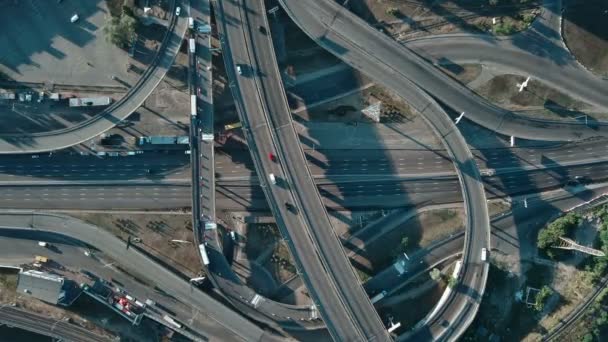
(345, 179)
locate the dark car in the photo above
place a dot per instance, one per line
(291, 207)
(262, 30)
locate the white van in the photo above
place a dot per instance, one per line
(273, 179)
(190, 22)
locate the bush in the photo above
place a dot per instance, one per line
(435, 274)
(504, 29)
(394, 11)
(542, 296)
(452, 282)
(549, 236)
(119, 30)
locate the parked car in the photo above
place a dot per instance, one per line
(178, 10)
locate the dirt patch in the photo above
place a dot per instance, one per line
(420, 232)
(536, 100)
(156, 232)
(349, 108)
(280, 264)
(259, 238)
(438, 224)
(498, 206)
(512, 320)
(586, 33)
(410, 19)
(149, 39)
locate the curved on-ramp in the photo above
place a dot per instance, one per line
(132, 259)
(353, 41)
(347, 26)
(120, 110)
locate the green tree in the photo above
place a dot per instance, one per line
(588, 337)
(435, 274)
(119, 30)
(542, 296)
(452, 282)
(550, 235)
(394, 11)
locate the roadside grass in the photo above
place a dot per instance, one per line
(156, 232)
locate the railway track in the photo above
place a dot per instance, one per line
(577, 313)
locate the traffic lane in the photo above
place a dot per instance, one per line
(19, 247)
(257, 132)
(391, 280)
(401, 162)
(345, 28)
(303, 246)
(357, 308)
(581, 152)
(96, 197)
(212, 315)
(59, 166)
(325, 162)
(562, 76)
(242, 195)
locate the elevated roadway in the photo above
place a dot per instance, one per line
(361, 46)
(264, 67)
(253, 110)
(137, 262)
(120, 110)
(338, 29)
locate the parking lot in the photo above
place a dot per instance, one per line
(40, 44)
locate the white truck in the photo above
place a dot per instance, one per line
(193, 105)
(484, 254)
(192, 45)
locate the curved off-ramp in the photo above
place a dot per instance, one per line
(133, 259)
(59, 139)
(344, 25)
(356, 43)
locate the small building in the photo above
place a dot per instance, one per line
(47, 287)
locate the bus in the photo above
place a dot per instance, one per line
(203, 251)
(193, 105)
(191, 44)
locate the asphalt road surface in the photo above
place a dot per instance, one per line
(339, 29)
(238, 50)
(323, 21)
(137, 263)
(59, 139)
(19, 247)
(361, 313)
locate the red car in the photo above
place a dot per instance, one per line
(272, 157)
